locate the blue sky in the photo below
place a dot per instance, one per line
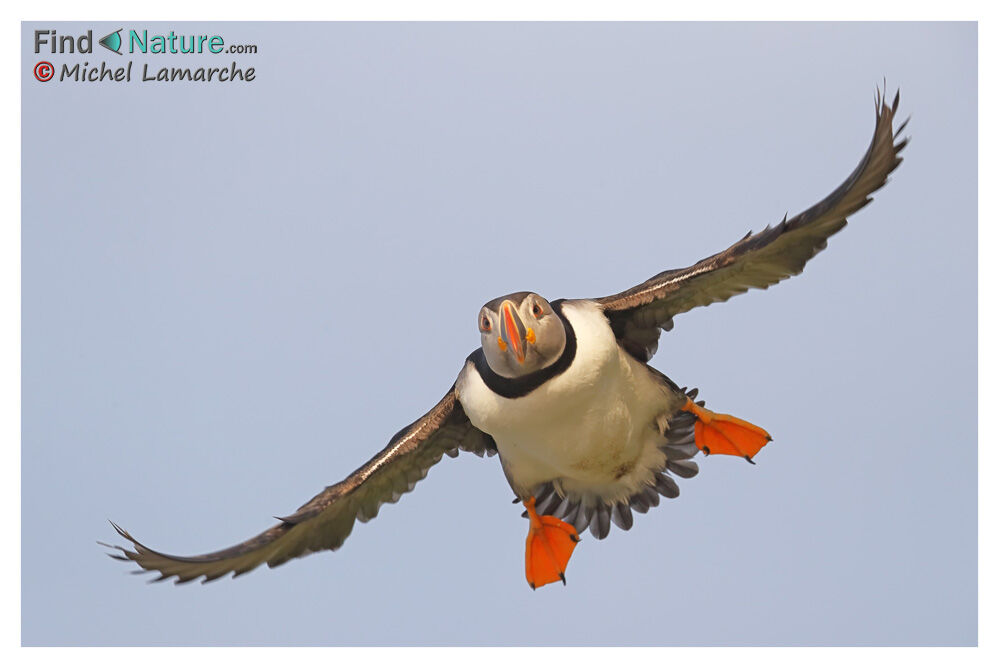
(224, 299)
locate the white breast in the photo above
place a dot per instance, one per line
(590, 429)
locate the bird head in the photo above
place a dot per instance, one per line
(521, 333)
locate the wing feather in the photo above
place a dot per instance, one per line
(325, 521)
(757, 260)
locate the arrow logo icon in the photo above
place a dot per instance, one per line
(112, 41)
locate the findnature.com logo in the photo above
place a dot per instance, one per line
(141, 42)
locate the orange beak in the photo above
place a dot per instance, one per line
(512, 330)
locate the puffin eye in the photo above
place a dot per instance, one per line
(484, 324)
(537, 310)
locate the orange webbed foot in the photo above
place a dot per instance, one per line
(720, 434)
(550, 543)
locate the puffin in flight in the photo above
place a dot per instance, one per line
(586, 431)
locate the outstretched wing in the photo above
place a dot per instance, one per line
(325, 522)
(757, 260)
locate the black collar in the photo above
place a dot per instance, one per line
(511, 388)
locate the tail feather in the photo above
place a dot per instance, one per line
(590, 512)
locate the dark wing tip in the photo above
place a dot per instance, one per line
(151, 561)
(124, 534)
(121, 532)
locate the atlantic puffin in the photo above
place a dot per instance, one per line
(586, 431)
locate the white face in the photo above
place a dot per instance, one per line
(520, 334)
